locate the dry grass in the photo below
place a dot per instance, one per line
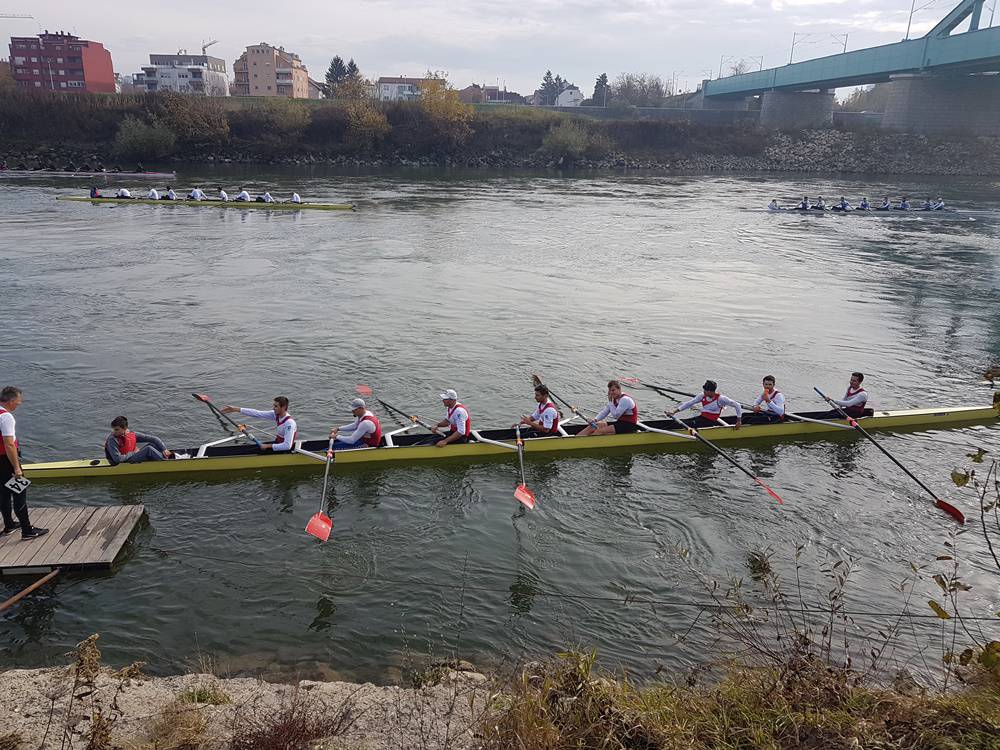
(10, 741)
(178, 726)
(295, 724)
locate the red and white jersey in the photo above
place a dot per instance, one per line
(459, 420)
(711, 408)
(772, 403)
(548, 415)
(622, 409)
(853, 398)
(7, 425)
(287, 432)
(365, 429)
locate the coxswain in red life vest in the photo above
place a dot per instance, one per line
(458, 420)
(620, 415)
(544, 421)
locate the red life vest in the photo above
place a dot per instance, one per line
(711, 415)
(126, 442)
(468, 420)
(278, 438)
(632, 418)
(3, 445)
(372, 439)
(541, 409)
(859, 409)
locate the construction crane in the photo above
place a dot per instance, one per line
(13, 15)
(206, 45)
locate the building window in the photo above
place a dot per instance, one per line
(19, 60)
(61, 72)
(76, 84)
(62, 84)
(38, 84)
(59, 59)
(268, 88)
(36, 71)
(34, 59)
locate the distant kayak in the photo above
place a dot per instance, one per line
(215, 203)
(57, 173)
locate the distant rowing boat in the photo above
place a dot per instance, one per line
(56, 173)
(880, 212)
(216, 203)
(221, 455)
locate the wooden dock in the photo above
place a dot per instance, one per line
(82, 538)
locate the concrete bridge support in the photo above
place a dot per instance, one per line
(792, 110)
(938, 105)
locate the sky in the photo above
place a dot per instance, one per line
(491, 42)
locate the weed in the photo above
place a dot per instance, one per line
(295, 724)
(176, 727)
(208, 692)
(10, 741)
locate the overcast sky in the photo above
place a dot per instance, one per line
(480, 41)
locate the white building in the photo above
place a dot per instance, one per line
(570, 97)
(398, 89)
(203, 75)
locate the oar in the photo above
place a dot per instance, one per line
(320, 525)
(948, 508)
(366, 391)
(538, 381)
(220, 415)
(522, 494)
(729, 458)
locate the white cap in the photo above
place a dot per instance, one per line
(449, 395)
(358, 403)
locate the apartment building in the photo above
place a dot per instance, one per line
(202, 75)
(389, 89)
(61, 62)
(263, 70)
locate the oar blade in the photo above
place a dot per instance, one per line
(951, 510)
(363, 390)
(525, 496)
(202, 397)
(770, 492)
(320, 526)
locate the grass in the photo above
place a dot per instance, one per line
(10, 741)
(177, 727)
(211, 693)
(295, 724)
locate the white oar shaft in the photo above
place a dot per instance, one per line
(672, 433)
(481, 439)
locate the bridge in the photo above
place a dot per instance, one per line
(942, 82)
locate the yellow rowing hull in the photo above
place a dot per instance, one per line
(253, 460)
(217, 203)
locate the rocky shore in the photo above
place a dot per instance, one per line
(819, 151)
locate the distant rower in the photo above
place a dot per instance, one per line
(773, 205)
(243, 195)
(458, 421)
(266, 198)
(864, 205)
(152, 195)
(854, 401)
(223, 195)
(94, 192)
(621, 407)
(544, 420)
(770, 404)
(123, 193)
(365, 430)
(843, 205)
(711, 403)
(804, 203)
(885, 205)
(287, 429)
(927, 205)
(170, 195)
(939, 204)
(296, 198)
(904, 204)
(820, 204)
(197, 195)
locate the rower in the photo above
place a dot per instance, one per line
(864, 205)
(123, 193)
(621, 407)
(94, 192)
(843, 205)
(197, 195)
(712, 403)
(904, 204)
(457, 420)
(365, 430)
(820, 204)
(223, 195)
(170, 195)
(266, 198)
(544, 421)
(122, 445)
(803, 204)
(152, 195)
(885, 205)
(770, 404)
(296, 198)
(927, 205)
(773, 205)
(287, 429)
(243, 195)
(939, 204)
(853, 402)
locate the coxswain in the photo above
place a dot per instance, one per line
(904, 204)
(223, 195)
(853, 402)
(123, 193)
(94, 192)
(820, 204)
(770, 404)
(939, 204)
(927, 205)
(152, 195)
(296, 198)
(885, 205)
(13, 503)
(711, 403)
(803, 204)
(544, 420)
(243, 195)
(864, 205)
(621, 407)
(197, 195)
(843, 205)
(773, 205)
(123, 445)
(170, 195)
(365, 430)
(457, 420)
(287, 433)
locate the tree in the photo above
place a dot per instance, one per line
(867, 99)
(552, 87)
(600, 97)
(353, 73)
(739, 67)
(638, 90)
(449, 115)
(335, 74)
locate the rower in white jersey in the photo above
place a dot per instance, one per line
(296, 198)
(287, 432)
(544, 420)
(364, 431)
(457, 420)
(223, 195)
(621, 408)
(855, 400)
(711, 403)
(123, 193)
(939, 204)
(266, 198)
(885, 205)
(769, 406)
(197, 195)
(243, 195)
(170, 195)
(152, 195)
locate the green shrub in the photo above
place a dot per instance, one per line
(276, 124)
(196, 120)
(137, 140)
(573, 140)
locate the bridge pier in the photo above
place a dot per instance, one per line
(793, 110)
(938, 105)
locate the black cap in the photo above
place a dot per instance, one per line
(710, 385)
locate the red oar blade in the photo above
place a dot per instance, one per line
(202, 397)
(525, 496)
(320, 526)
(629, 380)
(363, 390)
(951, 510)
(770, 492)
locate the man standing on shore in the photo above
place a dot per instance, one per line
(13, 503)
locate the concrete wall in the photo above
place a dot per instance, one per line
(788, 110)
(700, 116)
(941, 105)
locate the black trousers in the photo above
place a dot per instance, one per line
(12, 503)
(763, 417)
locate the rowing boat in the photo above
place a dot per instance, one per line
(216, 203)
(880, 212)
(58, 173)
(224, 455)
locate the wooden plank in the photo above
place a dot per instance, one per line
(90, 549)
(117, 534)
(76, 551)
(20, 552)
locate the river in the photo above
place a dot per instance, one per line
(472, 281)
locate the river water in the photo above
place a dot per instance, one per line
(474, 281)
